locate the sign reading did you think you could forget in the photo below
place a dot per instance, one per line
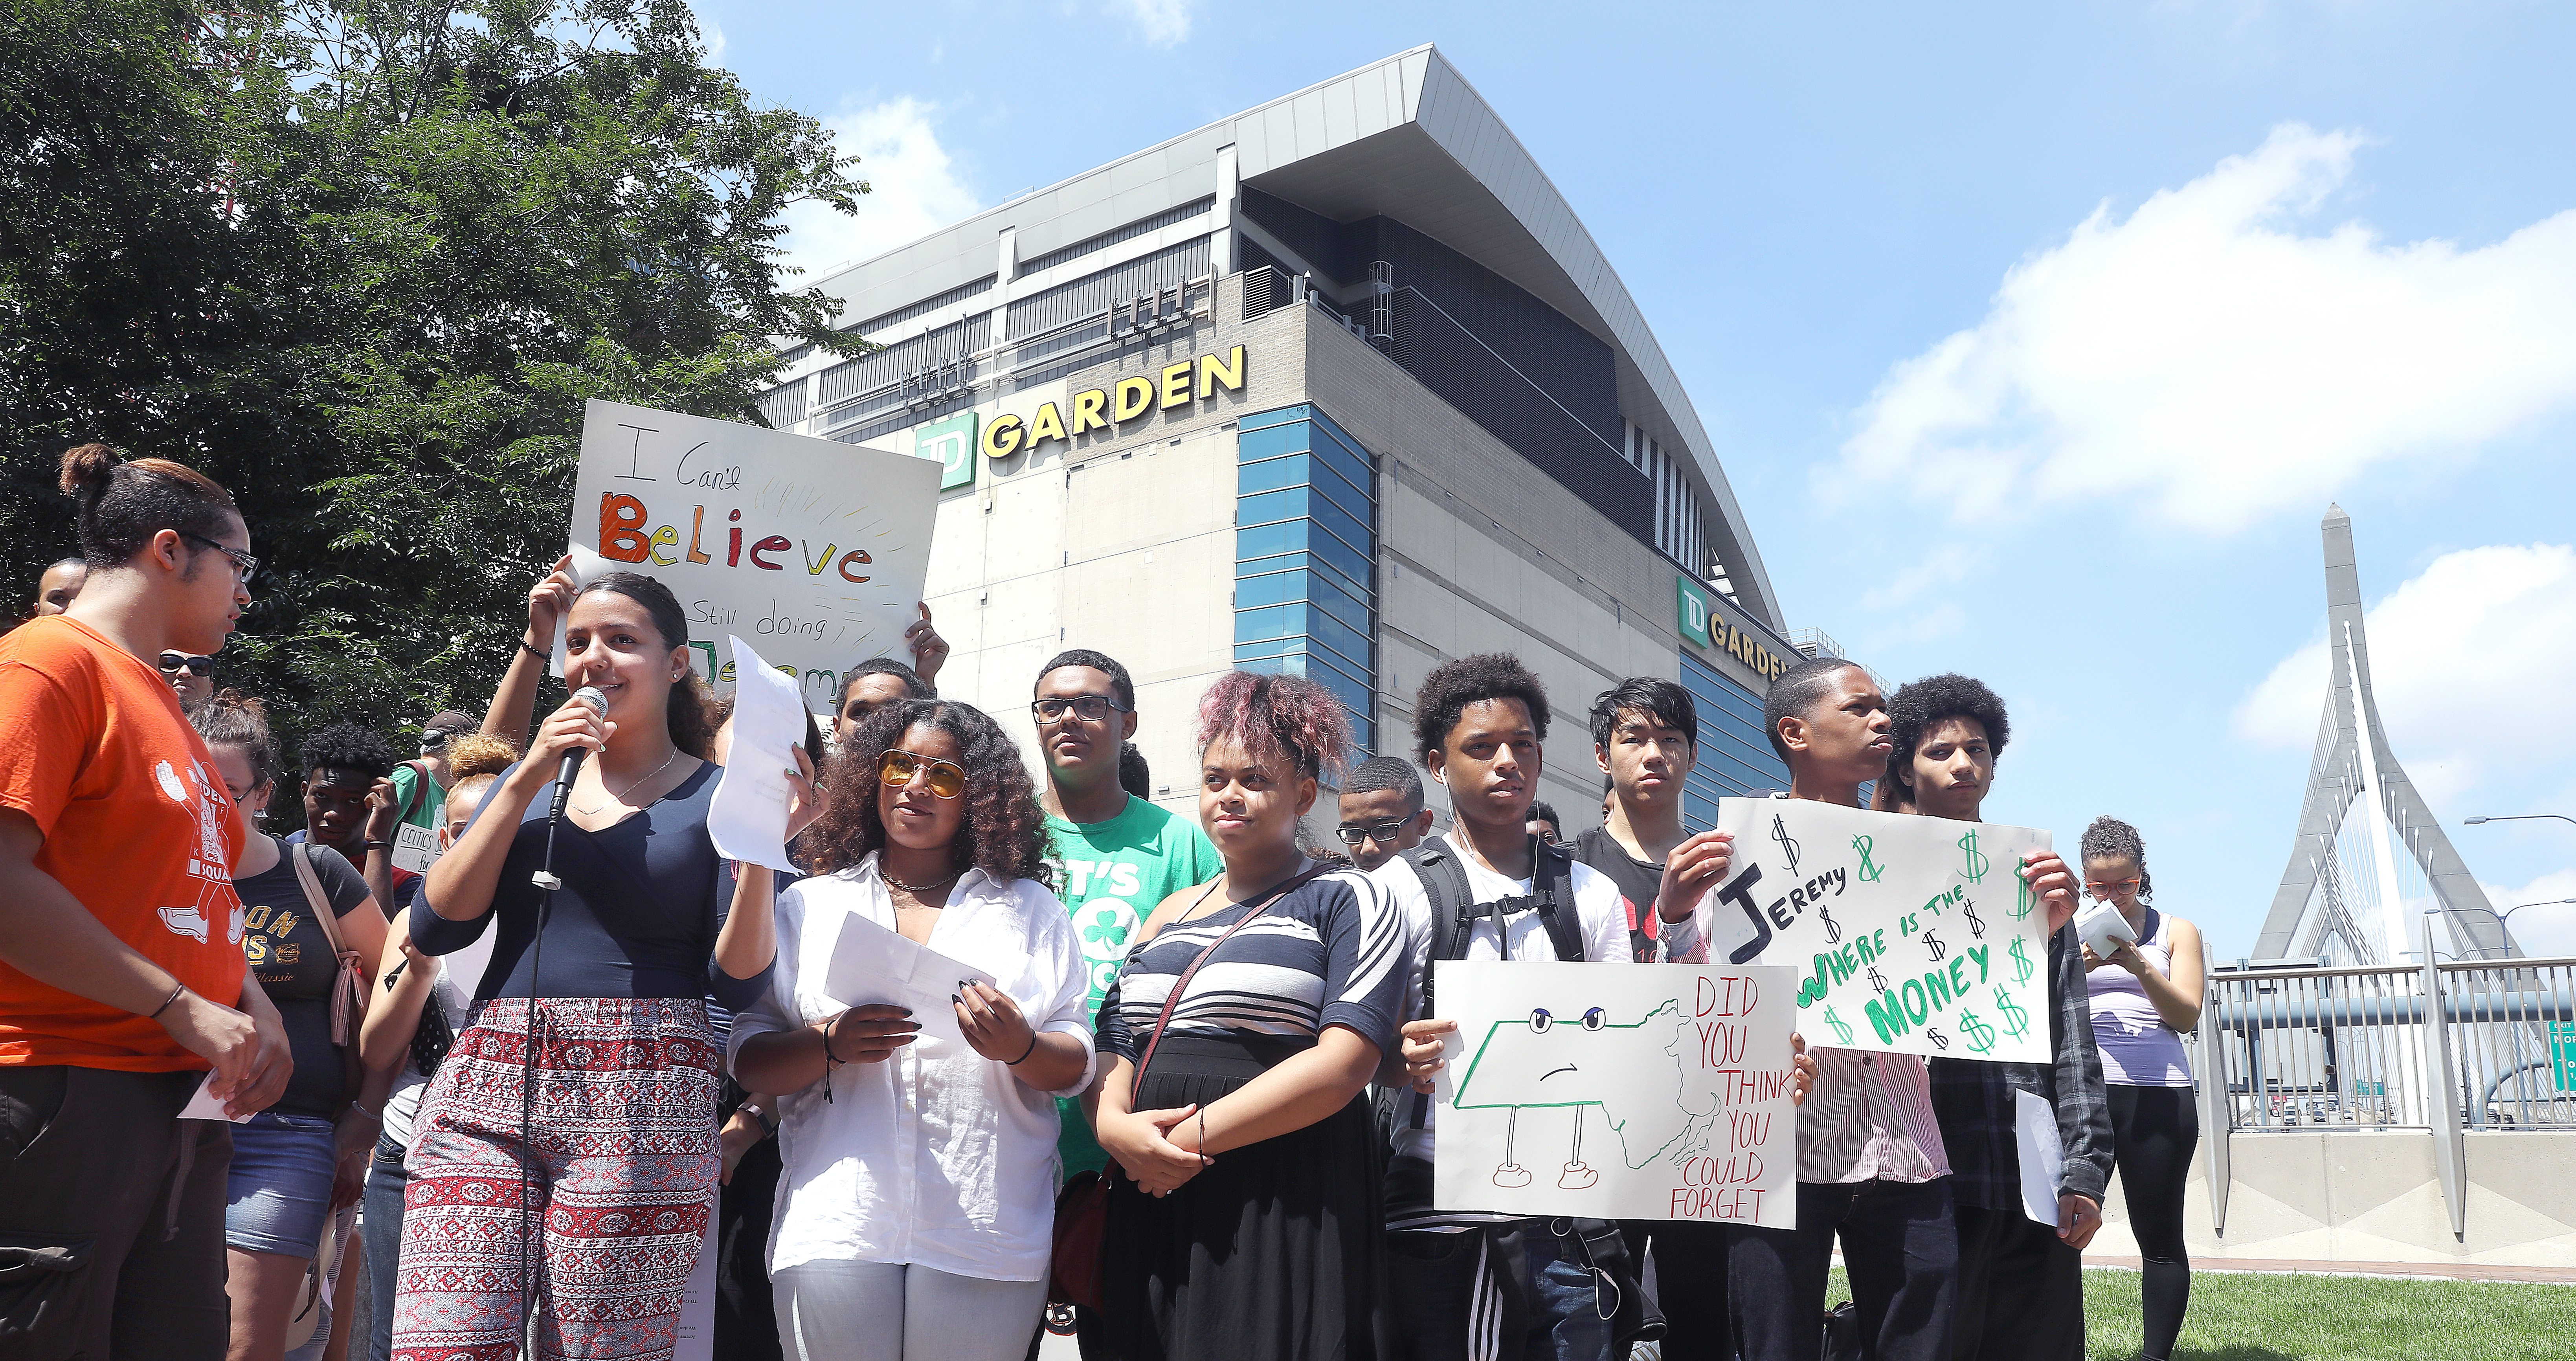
(1910, 935)
(812, 550)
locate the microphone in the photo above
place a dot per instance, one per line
(597, 699)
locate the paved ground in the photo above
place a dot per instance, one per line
(2426, 1271)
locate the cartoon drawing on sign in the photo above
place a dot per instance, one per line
(1541, 1063)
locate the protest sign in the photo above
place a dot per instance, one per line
(1910, 935)
(812, 550)
(1611, 1091)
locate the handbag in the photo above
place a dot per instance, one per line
(1082, 1207)
(349, 988)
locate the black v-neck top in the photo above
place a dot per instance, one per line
(637, 915)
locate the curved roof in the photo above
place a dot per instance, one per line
(1406, 137)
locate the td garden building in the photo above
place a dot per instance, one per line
(1337, 386)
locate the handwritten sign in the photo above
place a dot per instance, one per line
(1910, 935)
(1618, 1091)
(812, 550)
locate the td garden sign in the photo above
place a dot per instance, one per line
(1707, 628)
(1106, 408)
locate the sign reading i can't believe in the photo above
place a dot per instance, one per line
(1703, 623)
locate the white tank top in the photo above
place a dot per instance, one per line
(2138, 1048)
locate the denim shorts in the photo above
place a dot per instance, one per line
(279, 1192)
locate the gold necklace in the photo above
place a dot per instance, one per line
(639, 784)
(916, 890)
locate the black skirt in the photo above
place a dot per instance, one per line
(1274, 1253)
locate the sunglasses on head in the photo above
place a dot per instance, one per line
(897, 767)
(1382, 833)
(172, 663)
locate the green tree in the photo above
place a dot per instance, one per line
(363, 262)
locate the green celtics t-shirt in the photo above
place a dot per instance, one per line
(414, 790)
(1111, 876)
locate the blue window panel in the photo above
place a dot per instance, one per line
(1263, 541)
(1270, 474)
(1346, 458)
(1320, 588)
(1342, 638)
(1275, 621)
(1349, 530)
(1270, 588)
(1276, 416)
(1328, 596)
(1253, 445)
(1287, 503)
(1351, 604)
(1277, 629)
(1352, 563)
(1358, 504)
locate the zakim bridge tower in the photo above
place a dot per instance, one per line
(2369, 859)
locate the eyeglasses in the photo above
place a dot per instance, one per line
(1382, 833)
(1088, 708)
(2103, 888)
(897, 767)
(172, 663)
(245, 566)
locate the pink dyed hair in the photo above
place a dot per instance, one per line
(1288, 716)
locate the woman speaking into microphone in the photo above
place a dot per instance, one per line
(568, 1143)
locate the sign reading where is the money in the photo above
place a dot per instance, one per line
(1913, 935)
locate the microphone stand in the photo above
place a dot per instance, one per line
(547, 882)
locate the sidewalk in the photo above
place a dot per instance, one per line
(2422, 1271)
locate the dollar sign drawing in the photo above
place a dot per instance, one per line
(2016, 1020)
(1981, 1036)
(1788, 843)
(2021, 962)
(1975, 922)
(1973, 865)
(1833, 929)
(1869, 870)
(1938, 1039)
(1842, 1028)
(1875, 981)
(2023, 899)
(1938, 948)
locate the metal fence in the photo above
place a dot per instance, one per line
(2448, 1049)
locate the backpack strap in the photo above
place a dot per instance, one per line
(1552, 884)
(1453, 903)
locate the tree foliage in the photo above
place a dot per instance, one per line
(363, 262)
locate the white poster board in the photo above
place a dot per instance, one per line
(812, 550)
(1618, 1091)
(1910, 935)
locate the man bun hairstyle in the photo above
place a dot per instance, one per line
(1668, 701)
(229, 718)
(122, 503)
(2108, 836)
(1386, 772)
(1917, 706)
(1134, 775)
(693, 729)
(1455, 684)
(1122, 688)
(1288, 717)
(475, 755)
(346, 746)
(1797, 693)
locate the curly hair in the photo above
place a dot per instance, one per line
(1455, 684)
(346, 746)
(229, 718)
(474, 754)
(1917, 706)
(1004, 831)
(2110, 837)
(1284, 716)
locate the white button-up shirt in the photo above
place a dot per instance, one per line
(936, 1156)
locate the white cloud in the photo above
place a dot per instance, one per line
(1164, 23)
(913, 189)
(2217, 360)
(2548, 928)
(2462, 658)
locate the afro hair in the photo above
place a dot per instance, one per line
(346, 746)
(1920, 705)
(1453, 685)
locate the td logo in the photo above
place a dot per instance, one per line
(950, 444)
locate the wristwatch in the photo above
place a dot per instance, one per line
(768, 1123)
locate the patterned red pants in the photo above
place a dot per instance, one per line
(619, 1167)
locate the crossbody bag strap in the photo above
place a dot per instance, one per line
(419, 790)
(1162, 1022)
(347, 990)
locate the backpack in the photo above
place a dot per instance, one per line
(1454, 912)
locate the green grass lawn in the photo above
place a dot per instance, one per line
(2242, 1317)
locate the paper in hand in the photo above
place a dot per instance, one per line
(2042, 1155)
(747, 819)
(204, 1106)
(873, 966)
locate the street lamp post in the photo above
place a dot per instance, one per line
(2503, 918)
(2519, 817)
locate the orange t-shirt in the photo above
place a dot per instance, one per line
(93, 747)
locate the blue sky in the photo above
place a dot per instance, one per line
(2033, 338)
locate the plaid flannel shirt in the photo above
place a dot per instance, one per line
(1976, 1107)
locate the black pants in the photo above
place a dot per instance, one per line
(383, 1224)
(1690, 1286)
(111, 1218)
(1900, 1246)
(2021, 1289)
(2153, 1130)
(746, 1325)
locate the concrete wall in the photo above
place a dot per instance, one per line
(2371, 1196)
